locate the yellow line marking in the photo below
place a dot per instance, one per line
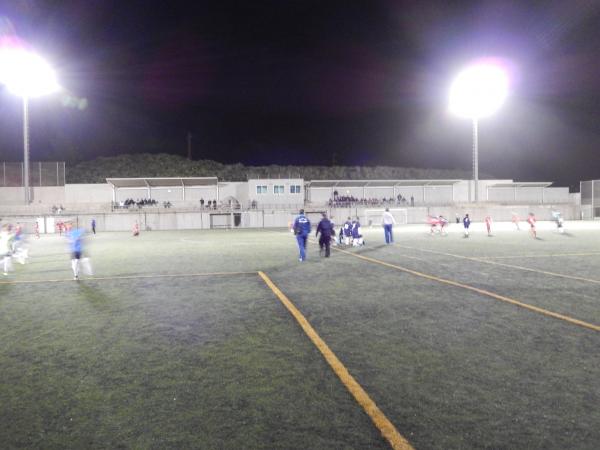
(129, 277)
(496, 263)
(548, 255)
(502, 298)
(387, 429)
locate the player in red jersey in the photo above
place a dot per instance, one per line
(531, 222)
(433, 222)
(488, 225)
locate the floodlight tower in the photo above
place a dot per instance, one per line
(27, 75)
(477, 92)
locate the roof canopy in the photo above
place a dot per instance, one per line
(378, 183)
(525, 184)
(161, 182)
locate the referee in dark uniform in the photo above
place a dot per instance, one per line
(325, 227)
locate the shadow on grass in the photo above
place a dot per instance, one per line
(94, 296)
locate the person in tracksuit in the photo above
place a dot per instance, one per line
(302, 230)
(325, 228)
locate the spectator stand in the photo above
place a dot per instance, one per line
(350, 193)
(163, 192)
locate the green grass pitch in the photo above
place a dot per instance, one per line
(151, 352)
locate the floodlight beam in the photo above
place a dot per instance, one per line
(26, 75)
(477, 92)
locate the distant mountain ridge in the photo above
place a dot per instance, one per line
(165, 165)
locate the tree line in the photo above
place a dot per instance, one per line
(163, 165)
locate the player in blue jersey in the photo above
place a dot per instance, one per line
(357, 237)
(466, 224)
(301, 231)
(347, 231)
(75, 237)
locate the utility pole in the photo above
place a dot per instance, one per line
(189, 145)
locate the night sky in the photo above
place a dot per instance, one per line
(312, 82)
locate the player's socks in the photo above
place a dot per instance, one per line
(75, 267)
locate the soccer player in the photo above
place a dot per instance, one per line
(302, 230)
(75, 237)
(488, 225)
(515, 220)
(36, 229)
(6, 244)
(347, 231)
(94, 225)
(357, 237)
(466, 224)
(433, 222)
(531, 221)
(443, 222)
(325, 228)
(559, 224)
(136, 229)
(19, 252)
(388, 223)
(559, 221)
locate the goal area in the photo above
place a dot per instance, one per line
(374, 216)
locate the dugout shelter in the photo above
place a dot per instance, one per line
(165, 189)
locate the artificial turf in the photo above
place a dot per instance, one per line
(216, 362)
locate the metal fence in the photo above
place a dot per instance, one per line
(590, 198)
(40, 174)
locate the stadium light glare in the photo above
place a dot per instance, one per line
(477, 92)
(27, 75)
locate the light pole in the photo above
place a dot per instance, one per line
(477, 92)
(27, 75)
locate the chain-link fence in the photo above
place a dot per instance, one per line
(40, 174)
(590, 198)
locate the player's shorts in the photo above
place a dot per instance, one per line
(76, 255)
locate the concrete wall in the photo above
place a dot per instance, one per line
(238, 190)
(378, 192)
(12, 196)
(319, 195)
(87, 193)
(193, 194)
(280, 218)
(46, 194)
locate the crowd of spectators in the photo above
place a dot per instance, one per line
(349, 200)
(209, 204)
(126, 204)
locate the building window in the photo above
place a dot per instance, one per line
(295, 189)
(278, 189)
(261, 189)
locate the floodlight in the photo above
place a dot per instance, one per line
(26, 74)
(478, 91)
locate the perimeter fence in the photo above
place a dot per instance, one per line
(40, 174)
